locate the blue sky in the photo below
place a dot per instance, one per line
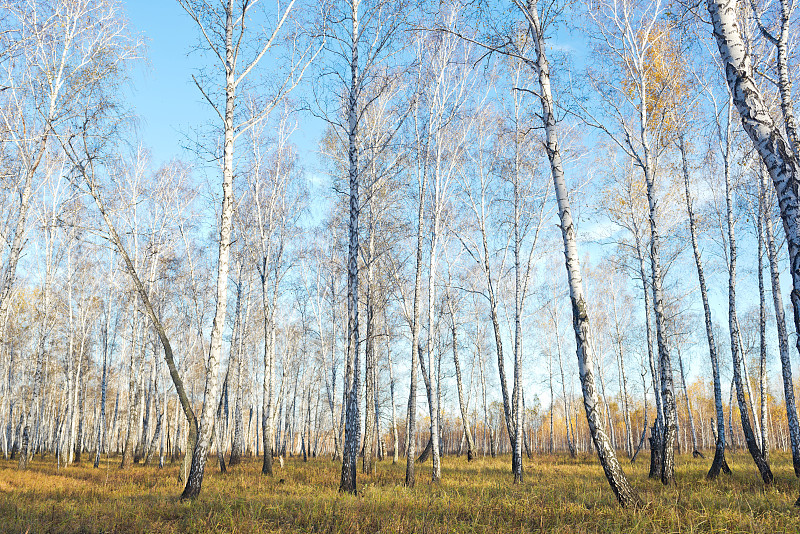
(163, 95)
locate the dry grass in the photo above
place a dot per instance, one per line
(559, 494)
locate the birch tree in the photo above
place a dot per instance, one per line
(272, 208)
(50, 213)
(624, 492)
(624, 202)
(742, 383)
(452, 80)
(55, 54)
(769, 141)
(647, 86)
(83, 156)
(360, 40)
(236, 55)
(780, 318)
(719, 462)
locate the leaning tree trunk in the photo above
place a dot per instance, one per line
(625, 493)
(775, 152)
(783, 337)
(719, 452)
(145, 298)
(736, 350)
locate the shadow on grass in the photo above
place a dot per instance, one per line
(560, 494)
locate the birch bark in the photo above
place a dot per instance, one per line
(207, 424)
(740, 382)
(775, 151)
(352, 372)
(370, 419)
(762, 332)
(783, 337)
(719, 451)
(624, 492)
(664, 362)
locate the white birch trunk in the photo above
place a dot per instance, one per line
(206, 428)
(370, 420)
(783, 337)
(719, 462)
(352, 416)
(742, 383)
(619, 483)
(774, 150)
(762, 333)
(664, 362)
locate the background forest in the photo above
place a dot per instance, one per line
(359, 250)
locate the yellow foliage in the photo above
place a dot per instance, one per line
(663, 84)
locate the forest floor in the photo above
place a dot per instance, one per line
(559, 494)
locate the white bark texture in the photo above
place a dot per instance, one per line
(624, 492)
(719, 462)
(742, 383)
(352, 417)
(783, 337)
(775, 152)
(206, 428)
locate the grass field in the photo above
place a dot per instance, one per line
(559, 494)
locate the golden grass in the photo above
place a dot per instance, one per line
(559, 494)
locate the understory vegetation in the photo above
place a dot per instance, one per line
(559, 494)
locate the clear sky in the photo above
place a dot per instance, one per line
(163, 95)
